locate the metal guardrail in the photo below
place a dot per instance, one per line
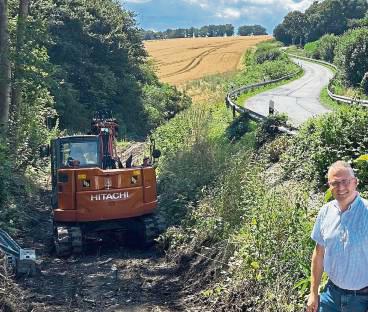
(253, 115)
(336, 97)
(22, 260)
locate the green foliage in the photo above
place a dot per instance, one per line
(162, 103)
(238, 127)
(324, 140)
(352, 56)
(264, 54)
(326, 47)
(274, 149)
(254, 30)
(268, 70)
(361, 168)
(193, 149)
(204, 31)
(268, 128)
(312, 49)
(267, 228)
(320, 19)
(281, 34)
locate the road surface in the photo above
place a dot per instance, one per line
(299, 98)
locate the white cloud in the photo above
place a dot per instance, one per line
(229, 13)
(204, 4)
(285, 5)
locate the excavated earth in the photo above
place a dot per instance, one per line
(107, 277)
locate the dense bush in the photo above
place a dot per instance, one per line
(162, 102)
(325, 139)
(264, 54)
(264, 232)
(352, 56)
(326, 47)
(238, 127)
(193, 146)
(268, 69)
(312, 49)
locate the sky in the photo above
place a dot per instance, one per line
(160, 15)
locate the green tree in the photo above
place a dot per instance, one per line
(326, 47)
(281, 34)
(352, 56)
(5, 69)
(99, 55)
(296, 24)
(248, 30)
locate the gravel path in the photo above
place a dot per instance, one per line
(299, 98)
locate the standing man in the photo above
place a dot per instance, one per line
(341, 236)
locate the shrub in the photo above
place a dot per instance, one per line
(266, 54)
(162, 102)
(326, 47)
(266, 230)
(193, 148)
(312, 49)
(268, 128)
(325, 139)
(352, 55)
(238, 127)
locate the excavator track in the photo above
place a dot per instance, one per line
(68, 240)
(153, 227)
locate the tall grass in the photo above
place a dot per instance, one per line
(226, 203)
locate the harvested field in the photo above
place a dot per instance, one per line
(180, 60)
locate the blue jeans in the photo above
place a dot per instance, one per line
(336, 300)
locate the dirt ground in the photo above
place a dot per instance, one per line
(108, 276)
(180, 60)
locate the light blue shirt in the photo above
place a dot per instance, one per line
(345, 239)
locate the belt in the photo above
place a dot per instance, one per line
(363, 291)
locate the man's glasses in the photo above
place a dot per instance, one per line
(344, 182)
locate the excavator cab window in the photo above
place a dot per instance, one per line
(79, 153)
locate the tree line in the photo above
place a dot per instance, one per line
(335, 31)
(204, 31)
(326, 17)
(62, 60)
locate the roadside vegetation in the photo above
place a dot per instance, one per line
(264, 62)
(242, 206)
(344, 45)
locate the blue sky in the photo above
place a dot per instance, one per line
(163, 14)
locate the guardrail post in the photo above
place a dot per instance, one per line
(271, 107)
(227, 101)
(234, 112)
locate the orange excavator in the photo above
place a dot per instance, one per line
(94, 193)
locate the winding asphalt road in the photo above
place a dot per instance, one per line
(299, 98)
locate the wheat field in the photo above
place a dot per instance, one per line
(178, 61)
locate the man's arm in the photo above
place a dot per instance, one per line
(316, 275)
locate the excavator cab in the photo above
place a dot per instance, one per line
(73, 152)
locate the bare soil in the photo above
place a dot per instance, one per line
(107, 277)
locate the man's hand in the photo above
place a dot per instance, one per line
(312, 304)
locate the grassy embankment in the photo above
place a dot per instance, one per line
(214, 193)
(241, 200)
